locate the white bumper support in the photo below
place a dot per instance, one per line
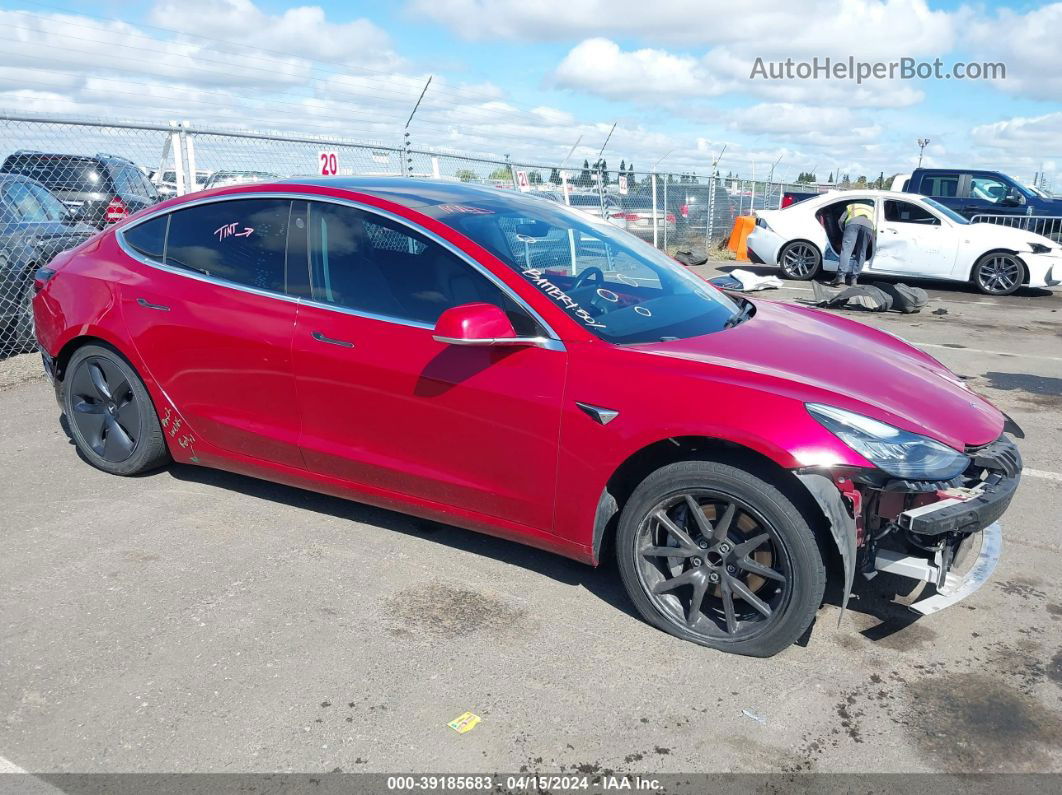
(955, 587)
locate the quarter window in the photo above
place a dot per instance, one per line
(371, 264)
(242, 241)
(149, 238)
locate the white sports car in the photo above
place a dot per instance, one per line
(916, 236)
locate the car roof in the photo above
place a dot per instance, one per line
(405, 191)
(871, 194)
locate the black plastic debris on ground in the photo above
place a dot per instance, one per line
(877, 297)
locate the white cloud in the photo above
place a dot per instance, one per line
(869, 28)
(1039, 136)
(659, 77)
(303, 31)
(1027, 44)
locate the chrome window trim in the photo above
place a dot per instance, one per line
(554, 341)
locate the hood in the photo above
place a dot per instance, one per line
(1007, 236)
(828, 359)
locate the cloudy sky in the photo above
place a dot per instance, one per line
(529, 77)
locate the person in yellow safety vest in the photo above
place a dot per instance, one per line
(858, 222)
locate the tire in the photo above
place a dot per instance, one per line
(799, 260)
(110, 414)
(998, 273)
(720, 558)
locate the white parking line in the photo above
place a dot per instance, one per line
(1040, 473)
(28, 784)
(991, 353)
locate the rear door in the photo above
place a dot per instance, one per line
(387, 407)
(212, 321)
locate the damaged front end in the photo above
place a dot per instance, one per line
(944, 533)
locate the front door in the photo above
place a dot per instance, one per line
(387, 407)
(912, 240)
(214, 323)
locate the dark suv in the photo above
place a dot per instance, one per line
(99, 189)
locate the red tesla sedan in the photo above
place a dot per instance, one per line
(511, 366)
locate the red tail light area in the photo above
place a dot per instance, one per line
(684, 210)
(787, 200)
(627, 216)
(116, 210)
(671, 218)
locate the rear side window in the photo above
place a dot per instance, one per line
(128, 181)
(242, 241)
(944, 186)
(149, 238)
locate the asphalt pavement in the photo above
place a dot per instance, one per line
(193, 620)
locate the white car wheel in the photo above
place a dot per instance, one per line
(998, 274)
(799, 260)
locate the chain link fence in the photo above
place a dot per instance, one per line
(64, 179)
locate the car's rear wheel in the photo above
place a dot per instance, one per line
(799, 260)
(714, 554)
(110, 414)
(998, 273)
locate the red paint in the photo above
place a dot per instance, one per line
(474, 322)
(488, 438)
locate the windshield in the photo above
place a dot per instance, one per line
(620, 288)
(946, 211)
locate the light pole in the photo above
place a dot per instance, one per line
(922, 144)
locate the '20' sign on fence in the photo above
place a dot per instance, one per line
(328, 163)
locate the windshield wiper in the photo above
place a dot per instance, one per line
(740, 317)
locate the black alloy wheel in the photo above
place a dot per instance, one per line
(713, 553)
(111, 418)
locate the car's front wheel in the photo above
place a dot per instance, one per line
(715, 554)
(998, 273)
(799, 260)
(110, 414)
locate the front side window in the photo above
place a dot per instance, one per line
(987, 189)
(371, 264)
(908, 213)
(242, 241)
(621, 289)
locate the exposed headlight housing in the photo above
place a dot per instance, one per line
(896, 452)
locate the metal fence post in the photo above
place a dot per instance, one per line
(656, 242)
(665, 211)
(189, 143)
(710, 224)
(177, 146)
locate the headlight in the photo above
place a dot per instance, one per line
(899, 453)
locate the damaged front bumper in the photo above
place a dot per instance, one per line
(951, 586)
(945, 534)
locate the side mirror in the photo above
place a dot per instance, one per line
(1013, 198)
(479, 324)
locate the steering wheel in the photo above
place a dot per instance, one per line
(583, 278)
